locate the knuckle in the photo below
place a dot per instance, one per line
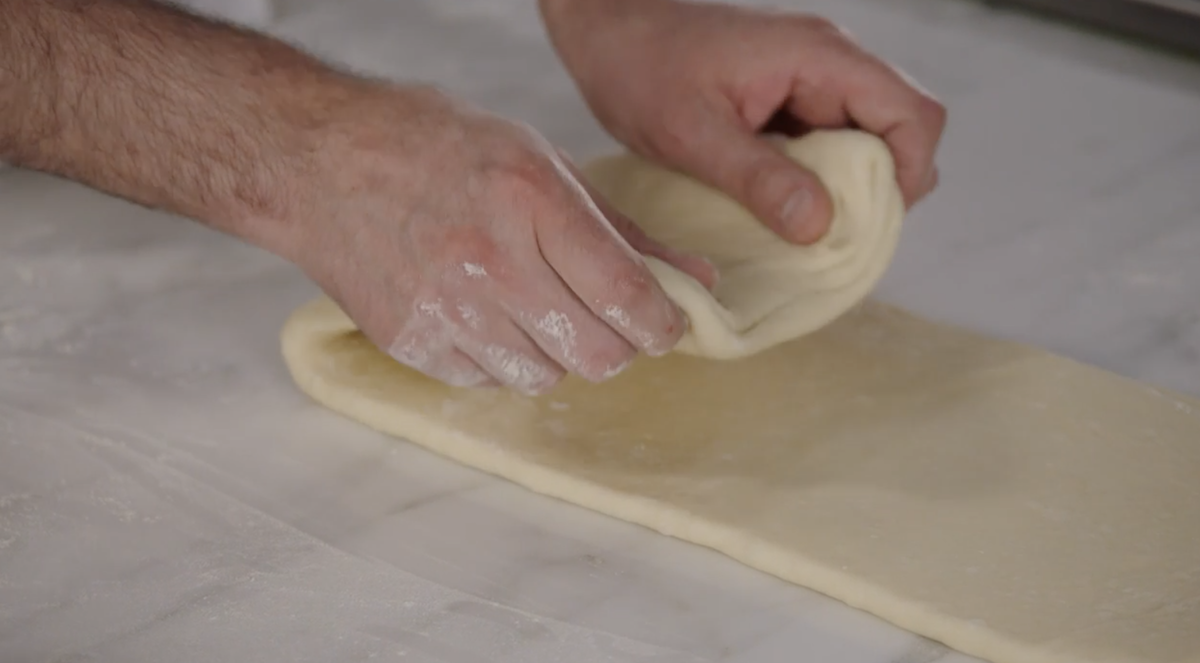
(631, 289)
(473, 243)
(426, 317)
(522, 175)
(454, 239)
(641, 311)
(473, 253)
(818, 23)
(933, 111)
(766, 186)
(467, 316)
(670, 139)
(671, 135)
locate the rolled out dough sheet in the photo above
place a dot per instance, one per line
(1014, 505)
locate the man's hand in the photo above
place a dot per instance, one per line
(466, 246)
(463, 244)
(691, 84)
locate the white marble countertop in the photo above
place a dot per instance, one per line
(167, 495)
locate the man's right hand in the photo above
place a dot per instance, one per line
(466, 246)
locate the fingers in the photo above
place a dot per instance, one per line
(428, 349)
(815, 108)
(571, 334)
(606, 274)
(524, 282)
(854, 88)
(613, 286)
(695, 266)
(511, 357)
(457, 369)
(785, 196)
(566, 294)
(884, 101)
(473, 346)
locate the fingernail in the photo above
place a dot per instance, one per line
(797, 214)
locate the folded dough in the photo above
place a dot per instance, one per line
(770, 290)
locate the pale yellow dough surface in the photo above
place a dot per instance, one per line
(1015, 505)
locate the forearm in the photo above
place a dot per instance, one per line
(159, 107)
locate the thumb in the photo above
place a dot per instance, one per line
(754, 171)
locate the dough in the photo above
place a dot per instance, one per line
(770, 290)
(1014, 505)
